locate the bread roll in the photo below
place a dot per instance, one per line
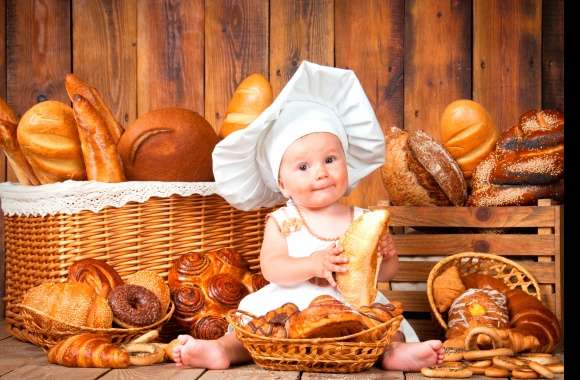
(358, 286)
(251, 97)
(100, 155)
(468, 133)
(75, 86)
(169, 144)
(49, 139)
(97, 274)
(74, 303)
(418, 171)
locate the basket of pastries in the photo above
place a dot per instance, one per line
(95, 300)
(135, 196)
(327, 336)
(494, 319)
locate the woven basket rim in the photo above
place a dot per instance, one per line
(112, 330)
(232, 318)
(437, 268)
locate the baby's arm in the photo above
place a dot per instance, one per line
(279, 268)
(390, 263)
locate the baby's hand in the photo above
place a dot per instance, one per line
(386, 246)
(328, 261)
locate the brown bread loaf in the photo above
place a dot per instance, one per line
(96, 273)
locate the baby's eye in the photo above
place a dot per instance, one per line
(302, 167)
(330, 159)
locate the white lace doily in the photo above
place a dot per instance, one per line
(71, 197)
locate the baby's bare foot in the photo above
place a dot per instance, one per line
(198, 353)
(413, 356)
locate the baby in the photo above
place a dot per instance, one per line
(301, 150)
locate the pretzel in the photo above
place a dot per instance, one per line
(541, 358)
(524, 373)
(496, 372)
(453, 354)
(508, 362)
(454, 370)
(487, 354)
(541, 370)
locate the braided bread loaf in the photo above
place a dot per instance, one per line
(526, 165)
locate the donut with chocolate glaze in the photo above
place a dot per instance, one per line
(134, 306)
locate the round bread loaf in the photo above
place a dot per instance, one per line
(169, 144)
(251, 97)
(49, 139)
(418, 171)
(468, 133)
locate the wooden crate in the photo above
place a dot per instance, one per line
(529, 235)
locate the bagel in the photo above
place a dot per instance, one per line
(454, 370)
(487, 354)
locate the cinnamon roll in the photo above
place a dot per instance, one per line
(188, 268)
(225, 290)
(228, 260)
(188, 300)
(209, 327)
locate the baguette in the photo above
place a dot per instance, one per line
(16, 159)
(102, 160)
(74, 85)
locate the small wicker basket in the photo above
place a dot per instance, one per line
(334, 355)
(511, 273)
(44, 331)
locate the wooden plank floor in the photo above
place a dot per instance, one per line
(21, 361)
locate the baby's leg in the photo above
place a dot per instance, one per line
(412, 356)
(210, 354)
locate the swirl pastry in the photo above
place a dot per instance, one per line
(189, 300)
(209, 327)
(188, 268)
(226, 290)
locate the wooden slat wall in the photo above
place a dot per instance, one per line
(412, 57)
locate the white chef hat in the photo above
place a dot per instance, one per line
(316, 99)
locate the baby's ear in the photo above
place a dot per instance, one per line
(283, 189)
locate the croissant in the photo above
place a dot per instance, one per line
(88, 350)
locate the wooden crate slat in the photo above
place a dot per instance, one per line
(483, 217)
(437, 60)
(507, 58)
(236, 45)
(299, 30)
(105, 53)
(377, 61)
(505, 245)
(417, 271)
(3, 161)
(427, 329)
(413, 301)
(170, 55)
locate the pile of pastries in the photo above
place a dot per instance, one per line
(473, 163)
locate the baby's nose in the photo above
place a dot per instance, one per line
(321, 172)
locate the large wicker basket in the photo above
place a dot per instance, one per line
(511, 273)
(335, 355)
(137, 236)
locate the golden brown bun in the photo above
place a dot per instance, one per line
(74, 85)
(328, 318)
(100, 155)
(418, 171)
(49, 139)
(16, 159)
(96, 273)
(154, 282)
(250, 98)
(169, 144)
(481, 281)
(358, 286)
(71, 303)
(468, 133)
(88, 350)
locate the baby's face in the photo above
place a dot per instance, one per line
(313, 170)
